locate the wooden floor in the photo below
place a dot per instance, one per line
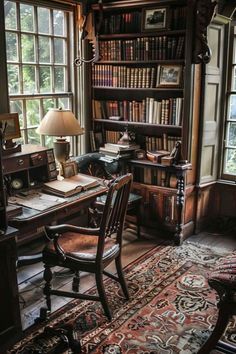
(30, 277)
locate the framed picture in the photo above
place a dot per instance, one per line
(10, 125)
(155, 19)
(169, 75)
(69, 169)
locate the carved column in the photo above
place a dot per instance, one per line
(205, 10)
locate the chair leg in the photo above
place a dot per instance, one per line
(102, 294)
(138, 217)
(47, 277)
(121, 277)
(222, 321)
(76, 282)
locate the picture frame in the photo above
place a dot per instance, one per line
(69, 169)
(10, 125)
(169, 76)
(155, 19)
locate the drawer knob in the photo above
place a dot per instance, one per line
(20, 162)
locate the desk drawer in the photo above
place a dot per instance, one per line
(39, 158)
(15, 164)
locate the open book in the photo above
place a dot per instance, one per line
(70, 186)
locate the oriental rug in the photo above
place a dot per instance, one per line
(171, 309)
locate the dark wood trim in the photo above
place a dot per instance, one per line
(4, 99)
(133, 4)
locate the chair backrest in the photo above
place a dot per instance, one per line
(114, 211)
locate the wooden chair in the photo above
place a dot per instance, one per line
(90, 250)
(223, 280)
(93, 164)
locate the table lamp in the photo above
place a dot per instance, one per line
(61, 123)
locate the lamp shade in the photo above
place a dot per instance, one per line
(59, 122)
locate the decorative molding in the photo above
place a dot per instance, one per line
(205, 11)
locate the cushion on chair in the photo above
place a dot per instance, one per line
(82, 247)
(225, 272)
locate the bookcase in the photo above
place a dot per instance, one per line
(143, 82)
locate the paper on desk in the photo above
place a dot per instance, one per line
(38, 201)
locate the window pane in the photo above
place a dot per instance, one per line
(32, 113)
(13, 78)
(29, 79)
(11, 44)
(16, 107)
(43, 20)
(230, 165)
(59, 79)
(58, 23)
(232, 107)
(45, 79)
(234, 53)
(232, 134)
(44, 50)
(59, 49)
(10, 15)
(33, 137)
(49, 141)
(47, 104)
(27, 18)
(63, 103)
(28, 48)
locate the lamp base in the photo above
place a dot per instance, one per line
(61, 151)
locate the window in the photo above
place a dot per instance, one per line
(39, 46)
(229, 165)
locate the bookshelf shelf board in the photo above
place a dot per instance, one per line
(135, 4)
(135, 62)
(150, 89)
(172, 168)
(160, 127)
(140, 35)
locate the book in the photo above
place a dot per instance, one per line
(155, 156)
(121, 147)
(70, 186)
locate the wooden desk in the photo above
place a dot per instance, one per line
(10, 324)
(31, 222)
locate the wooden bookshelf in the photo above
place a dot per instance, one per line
(147, 66)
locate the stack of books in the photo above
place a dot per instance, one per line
(119, 150)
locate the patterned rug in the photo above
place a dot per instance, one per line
(172, 309)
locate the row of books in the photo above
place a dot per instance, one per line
(131, 22)
(112, 136)
(154, 176)
(149, 110)
(122, 76)
(141, 49)
(164, 142)
(151, 143)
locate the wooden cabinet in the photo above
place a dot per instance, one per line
(28, 168)
(10, 324)
(143, 82)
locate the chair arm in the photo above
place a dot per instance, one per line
(59, 229)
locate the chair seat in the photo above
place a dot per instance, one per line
(81, 247)
(225, 272)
